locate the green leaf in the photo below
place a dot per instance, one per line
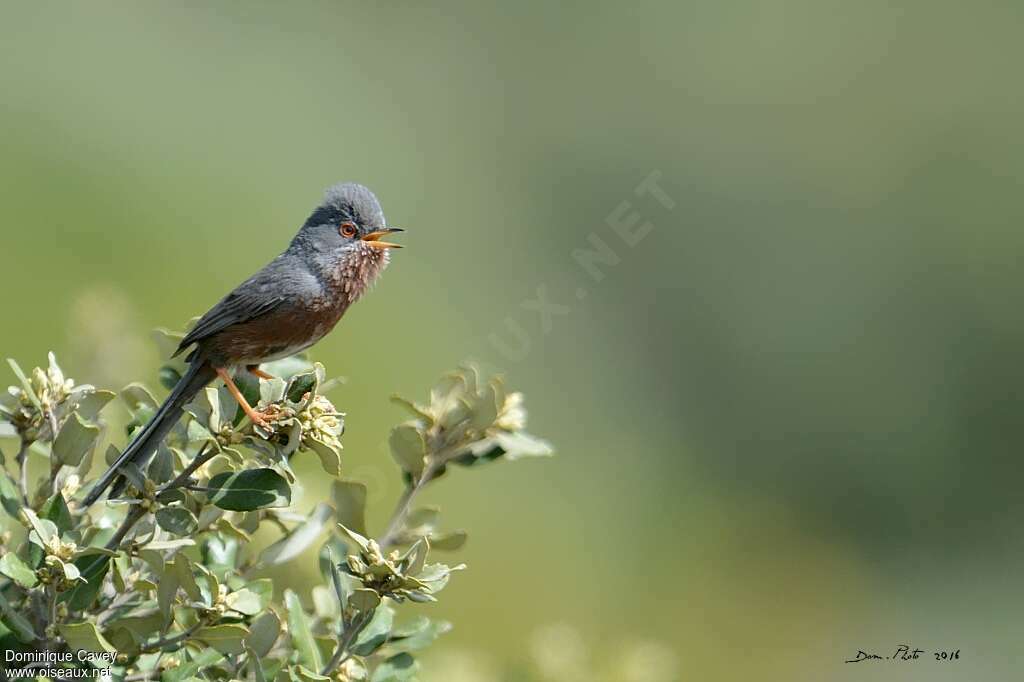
(43, 530)
(188, 670)
(303, 674)
(25, 384)
(364, 600)
(341, 586)
(399, 668)
(302, 636)
(138, 397)
(187, 580)
(264, 633)
(418, 634)
(245, 602)
(409, 448)
(85, 637)
(248, 490)
(89, 403)
(449, 542)
(16, 622)
(9, 496)
(415, 558)
(93, 568)
(330, 456)
(166, 591)
(56, 510)
(299, 539)
(163, 545)
(17, 570)
(76, 439)
(358, 539)
(177, 520)
(227, 639)
(375, 633)
(349, 499)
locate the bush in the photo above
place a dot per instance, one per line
(161, 583)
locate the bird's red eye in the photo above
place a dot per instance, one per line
(348, 230)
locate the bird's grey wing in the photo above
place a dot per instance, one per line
(254, 298)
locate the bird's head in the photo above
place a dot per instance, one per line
(349, 221)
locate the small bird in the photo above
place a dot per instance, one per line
(285, 308)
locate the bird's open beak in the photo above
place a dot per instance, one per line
(373, 239)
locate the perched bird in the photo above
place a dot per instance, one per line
(285, 308)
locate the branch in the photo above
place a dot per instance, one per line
(21, 458)
(137, 512)
(436, 465)
(341, 653)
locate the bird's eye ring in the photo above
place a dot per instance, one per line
(347, 230)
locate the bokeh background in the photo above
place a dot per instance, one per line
(788, 419)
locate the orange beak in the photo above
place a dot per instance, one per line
(373, 239)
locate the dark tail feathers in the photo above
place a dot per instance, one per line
(142, 448)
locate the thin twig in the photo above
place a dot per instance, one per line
(340, 654)
(137, 512)
(436, 465)
(171, 641)
(21, 458)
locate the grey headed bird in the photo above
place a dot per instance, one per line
(285, 308)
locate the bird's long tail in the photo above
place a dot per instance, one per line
(145, 444)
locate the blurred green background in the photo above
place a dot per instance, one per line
(787, 419)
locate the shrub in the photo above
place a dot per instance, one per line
(162, 584)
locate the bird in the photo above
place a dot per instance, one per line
(283, 309)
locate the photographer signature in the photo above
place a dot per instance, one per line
(905, 653)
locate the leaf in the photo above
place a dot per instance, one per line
(521, 444)
(89, 403)
(43, 530)
(93, 568)
(16, 622)
(56, 510)
(302, 636)
(137, 397)
(75, 440)
(399, 668)
(85, 637)
(177, 520)
(166, 591)
(9, 496)
(220, 554)
(341, 587)
(364, 600)
(17, 570)
(25, 384)
(187, 579)
(414, 559)
(249, 489)
(349, 499)
(227, 639)
(359, 540)
(186, 671)
(299, 539)
(409, 448)
(375, 633)
(162, 545)
(264, 633)
(418, 634)
(245, 602)
(330, 456)
(449, 542)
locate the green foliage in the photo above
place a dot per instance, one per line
(167, 576)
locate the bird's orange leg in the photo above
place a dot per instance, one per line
(257, 372)
(252, 414)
